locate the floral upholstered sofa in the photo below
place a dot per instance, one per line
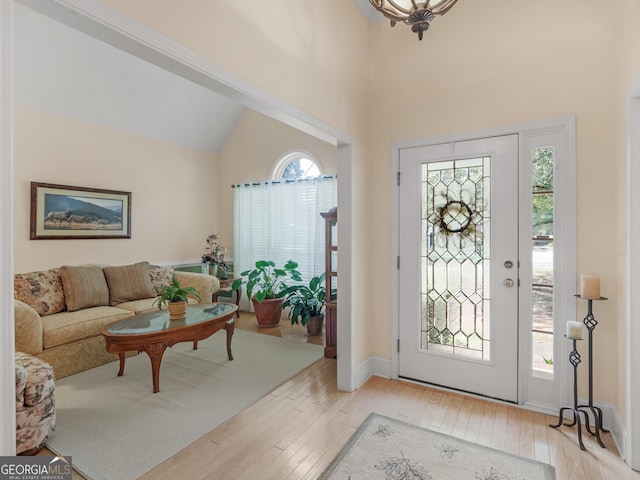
(59, 312)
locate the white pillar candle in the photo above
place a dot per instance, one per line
(574, 330)
(590, 286)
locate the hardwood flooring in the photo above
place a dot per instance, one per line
(296, 430)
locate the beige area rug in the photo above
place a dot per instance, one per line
(388, 449)
(116, 428)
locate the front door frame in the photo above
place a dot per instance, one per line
(567, 306)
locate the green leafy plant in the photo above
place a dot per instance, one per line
(266, 280)
(175, 293)
(305, 301)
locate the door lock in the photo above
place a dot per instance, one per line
(508, 264)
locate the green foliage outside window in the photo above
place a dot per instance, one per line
(542, 180)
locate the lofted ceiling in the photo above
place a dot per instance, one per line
(62, 70)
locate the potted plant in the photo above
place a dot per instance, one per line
(265, 283)
(306, 303)
(213, 257)
(174, 296)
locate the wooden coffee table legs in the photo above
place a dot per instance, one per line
(156, 351)
(230, 327)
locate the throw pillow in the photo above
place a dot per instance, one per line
(160, 276)
(40, 290)
(129, 282)
(84, 287)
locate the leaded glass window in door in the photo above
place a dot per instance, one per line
(455, 258)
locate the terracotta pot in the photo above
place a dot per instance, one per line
(177, 310)
(268, 312)
(314, 325)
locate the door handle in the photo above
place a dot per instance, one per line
(508, 282)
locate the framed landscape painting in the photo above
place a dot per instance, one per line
(63, 212)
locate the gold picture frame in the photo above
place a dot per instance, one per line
(62, 212)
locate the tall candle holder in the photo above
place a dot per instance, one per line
(591, 322)
(574, 359)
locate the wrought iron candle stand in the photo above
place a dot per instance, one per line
(574, 359)
(591, 323)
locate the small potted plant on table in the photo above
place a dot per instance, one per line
(175, 297)
(265, 283)
(306, 303)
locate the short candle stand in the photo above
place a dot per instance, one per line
(574, 359)
(591, 323)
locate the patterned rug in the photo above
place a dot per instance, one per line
(388, 449)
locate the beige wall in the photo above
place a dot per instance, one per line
(484, 64)
(173, 203)
(313, 55)
(496, 63)
(250, 154)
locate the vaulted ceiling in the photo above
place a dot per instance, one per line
(61, 70)
(64, 71)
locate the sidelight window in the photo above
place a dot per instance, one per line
(542, 162)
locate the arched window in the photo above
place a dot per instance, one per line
(280, 220)
(296, 166)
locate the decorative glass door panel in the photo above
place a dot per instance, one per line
(456, 214)
(458, 242)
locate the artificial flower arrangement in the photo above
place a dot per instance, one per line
(212, 252)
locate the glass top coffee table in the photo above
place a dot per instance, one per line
(154, 332)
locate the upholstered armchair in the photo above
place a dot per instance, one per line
(35, 403)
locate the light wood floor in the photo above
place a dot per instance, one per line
(295, 431)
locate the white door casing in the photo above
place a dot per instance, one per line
(556, 391)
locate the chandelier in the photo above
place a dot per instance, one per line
(411, 12)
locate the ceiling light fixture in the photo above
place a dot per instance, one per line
(416, 14)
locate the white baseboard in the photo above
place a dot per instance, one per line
(612, 420)
(372, 366)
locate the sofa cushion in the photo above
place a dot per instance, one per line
(69, 327)
(160, 276)
(140, 306)
(143, 305)
(129, 282)
(84, 287)
(147, 305)
(41, 290)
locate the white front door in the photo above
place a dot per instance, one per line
(458, 277)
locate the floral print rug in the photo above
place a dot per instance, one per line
(387, 449)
